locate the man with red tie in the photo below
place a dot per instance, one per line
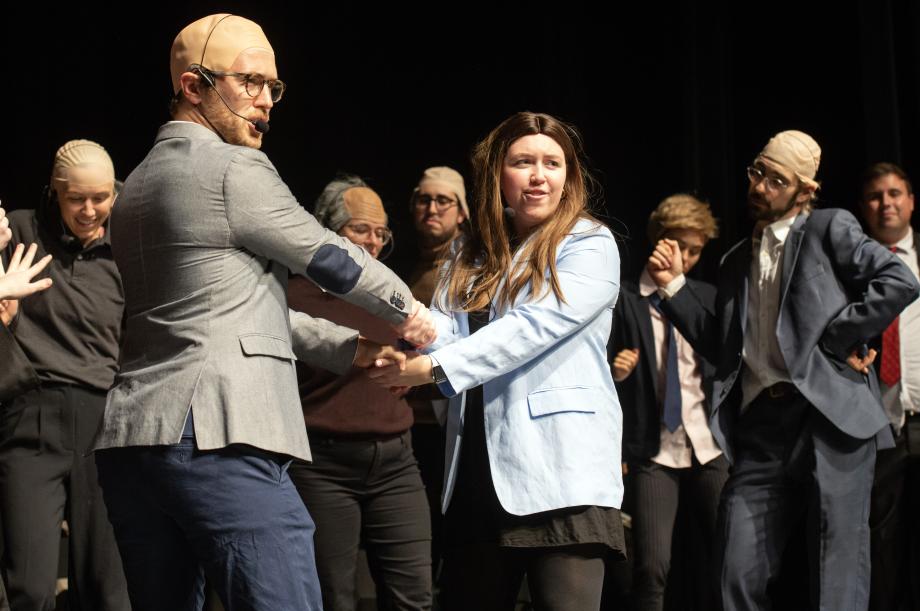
(887, 202)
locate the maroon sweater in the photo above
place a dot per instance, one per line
(348, 405)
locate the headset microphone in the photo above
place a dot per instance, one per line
(260, 125)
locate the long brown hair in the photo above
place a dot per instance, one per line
(485, 257)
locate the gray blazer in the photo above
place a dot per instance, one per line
(204, 234)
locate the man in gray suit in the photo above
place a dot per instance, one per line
(205, 411)
(795, 405)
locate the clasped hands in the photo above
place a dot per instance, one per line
(400, 369)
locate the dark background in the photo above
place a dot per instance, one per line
(669, 96)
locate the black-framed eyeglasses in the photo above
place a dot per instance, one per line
(773, 183)
(363, 231)
(441, 201)
(254, 83)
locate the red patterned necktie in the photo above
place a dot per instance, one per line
(891, 352)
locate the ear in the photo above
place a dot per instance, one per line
(804, 196)
(190, 85)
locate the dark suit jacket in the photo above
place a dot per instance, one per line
(632, 328)
(839, 288)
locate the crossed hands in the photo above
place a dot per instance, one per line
(397, 369)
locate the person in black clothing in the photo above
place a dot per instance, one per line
(69, 339)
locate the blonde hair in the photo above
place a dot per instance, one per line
(682, 211)
(484, 259)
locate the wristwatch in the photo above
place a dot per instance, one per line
(437, 373)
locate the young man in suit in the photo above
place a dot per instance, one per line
(886, 204)
(795, 405)
(204, 414)
(667, 445)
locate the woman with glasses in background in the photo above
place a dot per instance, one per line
(363, 485)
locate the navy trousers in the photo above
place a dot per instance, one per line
(792, 464)
(231, 516)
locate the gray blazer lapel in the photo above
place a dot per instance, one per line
(791, 254)
(743, 274)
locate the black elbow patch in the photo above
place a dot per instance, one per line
(333, 269)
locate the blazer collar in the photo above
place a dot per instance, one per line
(791, 253)
(185, 129)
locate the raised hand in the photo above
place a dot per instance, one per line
(16, 282)
(665, 263)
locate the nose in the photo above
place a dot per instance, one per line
(87, 207)
(536, 175)
(264, 99)
(373, 245)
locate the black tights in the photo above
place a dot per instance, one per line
(487, 577)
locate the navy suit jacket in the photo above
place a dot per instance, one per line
(632, 328)
(839, 288)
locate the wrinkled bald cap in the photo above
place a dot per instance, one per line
(364, 204)
(448, 179)
(81, 153)
(214, 42)
(795, 151)
(345, 198)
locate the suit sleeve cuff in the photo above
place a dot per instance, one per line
(445, 387)
(670, 289)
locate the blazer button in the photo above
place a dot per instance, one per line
(397, 300)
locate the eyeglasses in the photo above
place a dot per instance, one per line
(254, 83)
(441, 201)
(772, 183)
(364, 231)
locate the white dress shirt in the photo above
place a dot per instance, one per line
(904, 397)
(764, 364)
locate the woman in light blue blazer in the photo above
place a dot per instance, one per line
(533, 478)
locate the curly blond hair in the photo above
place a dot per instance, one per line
(682, 211)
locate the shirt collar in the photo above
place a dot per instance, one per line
(647, 286)
(778, 231)
(905, 244)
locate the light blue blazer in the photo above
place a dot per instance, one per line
(552, 417)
